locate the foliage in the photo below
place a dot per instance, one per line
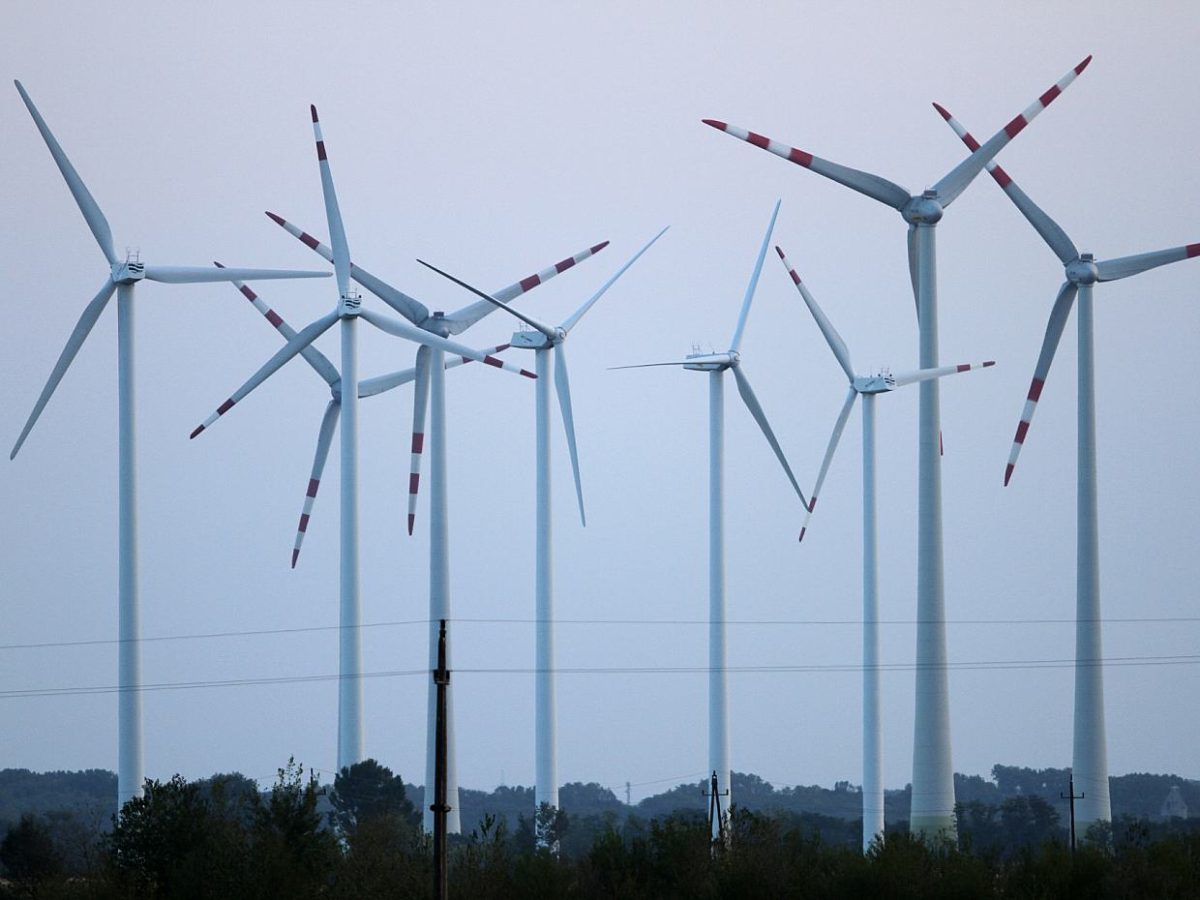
(368, 791)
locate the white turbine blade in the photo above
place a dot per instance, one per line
(760, 417)
(912, 268)
(205, 275)
(412, 333)
(886, 192)
(292, 348)
(83, 197)
(527, 319)
(918, 375)
(1114, 269)
(712, 358)
(1050, 230)
(1054, 330)
(838, 427)
(836, 344)
(562, 385)
(324, 439)
(314, 357)
(369, 387)
(957, 179)
(337, 234)
(79, 333)
(573, 320)
(758, 264)
(411, 309)
(460, 320)
(420, 402)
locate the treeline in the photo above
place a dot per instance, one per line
(360, 838)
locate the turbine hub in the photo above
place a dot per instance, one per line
(874, 384)
(129, 272)
(436, 324)
(1083, 270)
(923, 210)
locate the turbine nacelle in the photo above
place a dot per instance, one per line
(129, 272)
(924, 210)
(535, 340)
(711, 362)
(874, 384)
(1083, 270)
(349, 305)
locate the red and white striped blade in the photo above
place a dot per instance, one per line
(1051, 232)
(1123, 267)
(875, 187)
(838, 427)
(79, 334)
(369, 387)
(291, 349)
(917, 375)
(314, 357)
(957, 179)
(1054, 330)
(397, 328)
(92, 213)
(333, 214)
(420, 403)
(411, 309)
(324, 438)
(756, 410)
(836, 344)
(460, 320)
(529, 320)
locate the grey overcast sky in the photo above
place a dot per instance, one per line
(494, 139)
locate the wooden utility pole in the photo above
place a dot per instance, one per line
(1072, 796)
(441, 678)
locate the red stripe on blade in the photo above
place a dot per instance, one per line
(1008, 470)
(801, 157)
(274, 318)
(225, 407)
(313, 484)
(964, 368)
(303, 523)
(308, 239)
(249, 294)
(531, 282)
(418, 442)
(1022, 430)
(414, 479)
(1001, 177)
(715, 123)
(1035, 389)
(758, 140)
(1048, 97)
(564, 264)
(1192, 250)
(1013, 128)
(321, 150)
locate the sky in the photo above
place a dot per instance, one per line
(493, 140)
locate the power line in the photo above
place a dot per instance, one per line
(311, 629)
(814, 668)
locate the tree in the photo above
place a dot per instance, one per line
(28, 852)
(367, 791)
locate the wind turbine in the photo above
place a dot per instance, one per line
(716, 365)
(866, 386)
(368, 387)
(1082, 270)
(546, 340)
(348, 310)
(933, 771)
(430, 391)
(123, 276)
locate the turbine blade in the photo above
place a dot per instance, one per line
(337, 234)
(573, 320)
(527, 319)
(1115, 269)
(403, 329)
(1051, 231)
(83, 197)
(369, 387)
(271, 366)
(886, 192)
(749, 297)
(205, 275)
(324, 438)
(314, 357)
(420, 402)
(562, 385)
(712, 358)
(912, 268)
(903, 378)
(79, 333)
(411, 309)
(838, 427)
(1054, 330)
(836, 344)
(464, 318)
(760, 417)
(957, 179)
